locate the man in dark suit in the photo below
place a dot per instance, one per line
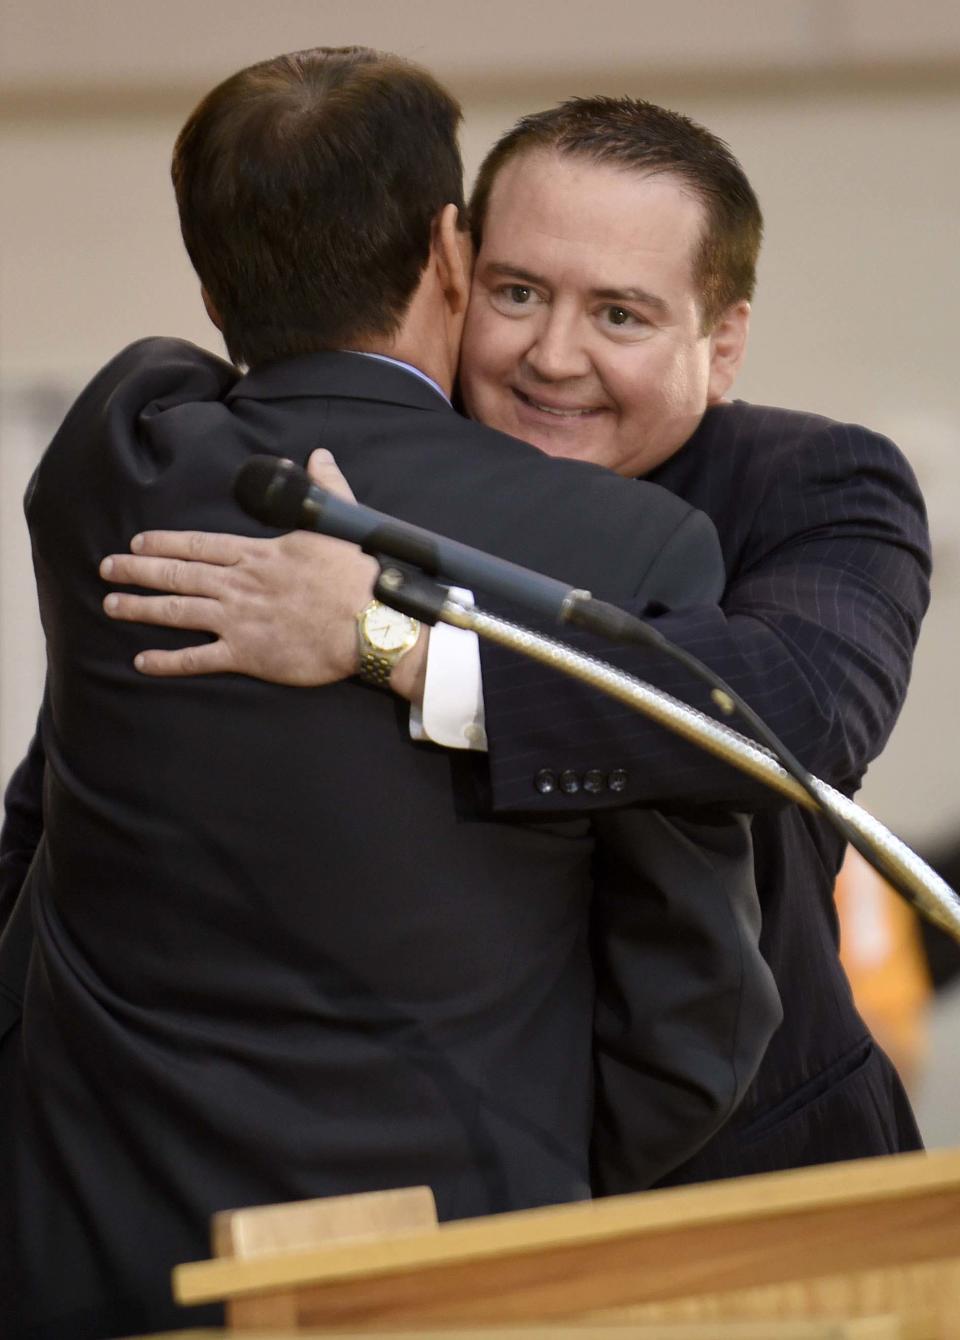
(277, 951)
(617, 244)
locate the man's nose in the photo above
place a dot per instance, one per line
(558, 350)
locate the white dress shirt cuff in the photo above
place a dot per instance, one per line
(452, 713)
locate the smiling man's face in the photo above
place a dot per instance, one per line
(583, 335)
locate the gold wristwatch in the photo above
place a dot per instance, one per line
(385, 635)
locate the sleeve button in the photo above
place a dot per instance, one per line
(617, 780)
(545, 781)
(594, 781)
(569, 782)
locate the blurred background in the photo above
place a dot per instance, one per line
(844, 113)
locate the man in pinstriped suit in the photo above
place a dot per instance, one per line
(825, 546)
(580, 340)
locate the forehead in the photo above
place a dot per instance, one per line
(576, 213)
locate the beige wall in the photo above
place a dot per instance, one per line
(846, 116)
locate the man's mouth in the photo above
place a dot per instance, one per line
(558, 411)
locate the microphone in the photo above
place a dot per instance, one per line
(279, 493)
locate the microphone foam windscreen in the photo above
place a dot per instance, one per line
(272, 490)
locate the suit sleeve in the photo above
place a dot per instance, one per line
(816, 630)
(22, 826)
(20, 837)
(685, 1004)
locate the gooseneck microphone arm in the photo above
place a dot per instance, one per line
(279, 493)
(903, 869)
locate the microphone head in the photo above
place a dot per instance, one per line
(272, 490)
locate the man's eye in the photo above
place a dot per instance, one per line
(620, 320)
(512, 299)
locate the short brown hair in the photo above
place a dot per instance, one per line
(631, 133)
(307, 186)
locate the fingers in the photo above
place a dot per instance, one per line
(212, 658)
(322, 469)
(164, 574)
(191, 612)
(199, 545)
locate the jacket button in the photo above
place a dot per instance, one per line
(594, 781)
(545, 781)
(617, 780)
(569, 782)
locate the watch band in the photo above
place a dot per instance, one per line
(376, 667)
(378, 658)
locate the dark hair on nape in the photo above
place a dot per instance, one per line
(307, 187)
(639, 136)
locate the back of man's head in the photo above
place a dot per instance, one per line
(639, 136)
(307, 186)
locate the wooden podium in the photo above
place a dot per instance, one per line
(760, 1256)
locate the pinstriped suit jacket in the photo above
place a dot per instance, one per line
(825, 544)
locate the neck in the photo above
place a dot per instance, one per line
(412, 352)
(429, 334)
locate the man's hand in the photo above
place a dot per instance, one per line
(282, 610)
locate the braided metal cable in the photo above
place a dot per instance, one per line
(930, 894)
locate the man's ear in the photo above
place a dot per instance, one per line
(728, 344)
(211, 309)
(453, 252)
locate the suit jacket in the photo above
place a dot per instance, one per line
(826, 552)
(280, 951)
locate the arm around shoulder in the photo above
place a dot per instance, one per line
(827, 580)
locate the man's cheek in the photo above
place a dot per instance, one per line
(471, 397)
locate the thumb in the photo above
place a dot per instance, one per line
(322, 469)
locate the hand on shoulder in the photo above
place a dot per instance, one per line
(281, 609)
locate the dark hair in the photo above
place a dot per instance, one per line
(638, 135)
(307, 186)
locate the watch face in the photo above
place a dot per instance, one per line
(387, 629)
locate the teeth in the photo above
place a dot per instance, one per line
(560, 413)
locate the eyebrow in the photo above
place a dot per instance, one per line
(638, 295)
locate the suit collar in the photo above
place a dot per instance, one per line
(338, 374)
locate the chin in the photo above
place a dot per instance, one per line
(572, 448)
